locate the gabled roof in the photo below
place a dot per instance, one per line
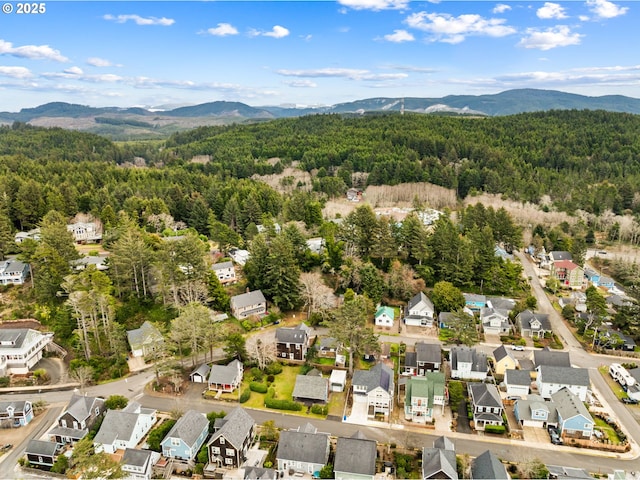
(81, 407)
(432, 384)
(247, 299)
(41, 447)
(502, 352)
(221, 266)
(136, 458)
(117, 424)
(475, 298)
(19, 337)
(355, 455)
(564, 375)
(225, 374)
(410, 359)
(488, 467)
(501, 303)
(486, 313)
(439, 461)
(380, 375)
(551, 357)
(528, 316)
(569, 405)
(568, 473)
(428, 352)
(560, 255)
(565, 264)
(311, 387)
(188, 427)
(15, 405)
(517, 377)
(464, 354)
(259, 473)
(203, 370)
(443, 443)
(421, 300)
(235, 427)
(303, 446)
(147, 333)
(485, 395)
(298, 334)
(74, 433)
(388, 311)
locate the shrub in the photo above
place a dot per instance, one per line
(274, 368)
(157, 435)
(257, 374)
(4, 382)
(276, 404)
(116, 402)
(247, 325)
(61, 464)
(320, 409)
(268, 464)
(258, 387)
(499, 429)
(270, 378)
(245, 396)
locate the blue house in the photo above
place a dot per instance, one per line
(574, 419)
(15, 413)
(592, 276)
(186, 437)
(474, 301)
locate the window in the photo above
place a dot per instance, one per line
(175, 442)
(97, 410)
(221, 440)
(230, 452)
(215, 450)
(228, 461)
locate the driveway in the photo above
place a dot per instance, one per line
(55, 368)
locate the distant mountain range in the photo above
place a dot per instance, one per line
(137, 122)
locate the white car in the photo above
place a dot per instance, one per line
(517, 348)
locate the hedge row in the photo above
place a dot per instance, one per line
(258, 387)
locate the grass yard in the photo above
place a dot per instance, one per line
(608, 430)
(615, 386)
(337, 401)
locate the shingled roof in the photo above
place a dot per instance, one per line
(380, 375)
(235, 427)
(355, 455)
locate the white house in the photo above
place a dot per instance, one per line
(13, 272)
(375, 387)
(551, 379)
(84, 232)
(138, 464)
(225, 271)
(384, 317)
(468, 363)
(337, 380)
(420, 311)
(21, 349)
(495, 321)
(124, 428)
(518, 382)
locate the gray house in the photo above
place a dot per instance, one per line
(486, 404)
(533, 325)
(311, 389)
(41, 453)
(488, 467)
(355, 458)
(552, 358)
(426, 358)
(439, 461)
(226, 378)
(303, 450)
(248, 304)
(144, 340)
(468, 363)
(231, 439)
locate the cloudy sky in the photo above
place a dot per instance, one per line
(312, 52)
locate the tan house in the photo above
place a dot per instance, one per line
(504, 360)
(247, 304)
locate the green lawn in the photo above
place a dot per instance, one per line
(607, 429)
(615, 386)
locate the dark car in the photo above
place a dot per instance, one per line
(630, 401)
(555, 436)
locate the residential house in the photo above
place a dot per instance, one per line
(422, 397)
(338, 380)
(553, 358)
(426, 358)
(568, 473)
(186, 436)
(16, 413)
(606, 282)
(100, 262)
(231, 439)
(503, 359)
(384, 317)
(518, 382)
(474, 301)
(495, 321)
(592, 276)
(21, 349)
(355, 458)
(13, 272)
(226, 378)
(260, 473)
(574, 419)
(316, 245)
(468, 363)
(617, 301)
(535, 411)
(533, 325)
(311, 389)
(501, 303)
(225, 271)
(327, 347)
(239, 256)
(486, 404)
(375, 387)
(200, 374)
(33, 234)
(41, 453)
(145, 340)
(420, 311)
(138, 464)
(568, 274)
(86, 232)
(559, 255)
(552, 379)
(439, 461)
(78, 417)
(292, 343)
(248, 304)
(487, 466)
(124, 428)
(302, 450)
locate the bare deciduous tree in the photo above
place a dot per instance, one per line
(262, 352)
(315, 294)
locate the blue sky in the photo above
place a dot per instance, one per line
(312, 52)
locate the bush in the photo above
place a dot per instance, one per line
(60, 465)
(499, 429)
(282, 404)
(245, 396)
(116, 402)
(157, 435)
(320, 409)
(274, 368)
(258, 387)
(257, 374)
(270, 378)
(4, 382)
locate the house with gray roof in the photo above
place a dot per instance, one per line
(427, 357)
(145, 340)
(231, 439)
(535, 411)
(226, 378)
(424, 397)
(518, 382)
(440, 460)
(303, 450)
(553, 358)
(495, 321)
(138, 464)
(15, 413)
(200, 374)
(21, 349)
(533, 325)
(551, 379)
(76, 420)
(420, 311)
(124, 428)
(574, 420)
(376, 388)
(487, 466)
(248, 304)
(486, 404)
(13, 272)
(225, 271)
(355, 458)
(503, 360)
(186, 436)
(501, 303)
(474, 301)
(311, 389)
(468, 363)
(293, 343)
(41, 453)
(568, 473)
(260, 473)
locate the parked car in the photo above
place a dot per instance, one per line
(555, 438)
(630, 401)
(517, 348)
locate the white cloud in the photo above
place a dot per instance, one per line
(301, 84)
(550, 11)
(399, 36)
(99, 62)
(350, 73)
(74, 71)
(138, 20)
(32, 52)
(15, 72)
(606, 9)
(501, 8)
(375, 5)
(449, 29)
(223, 30)
(559, 36)
(277, 32)
(583, 18)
